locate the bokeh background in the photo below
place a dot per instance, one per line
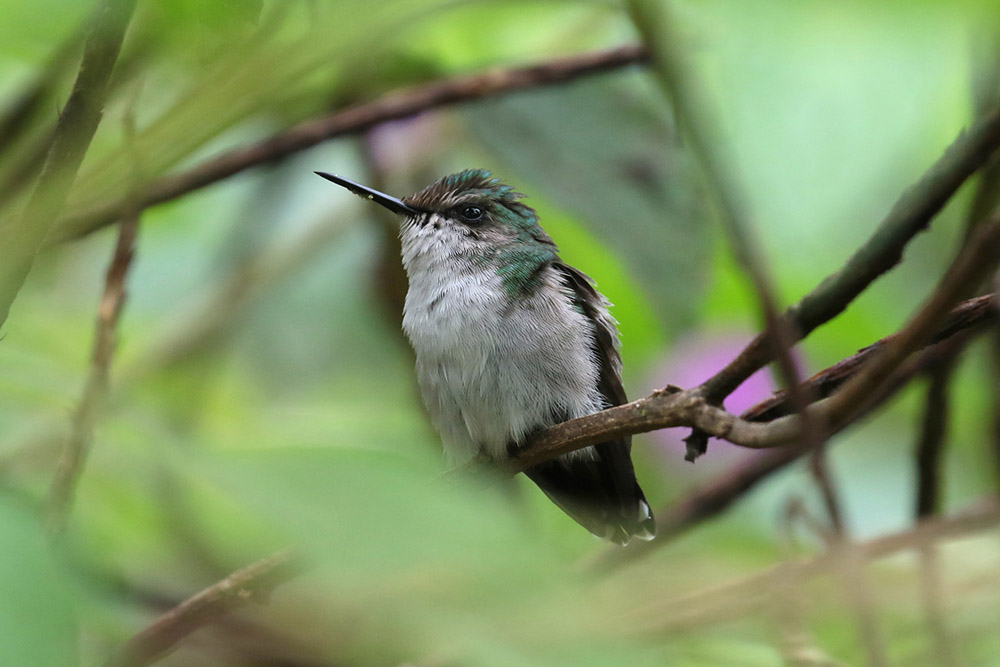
(263, 394)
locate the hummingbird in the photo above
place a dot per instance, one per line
(510, 339)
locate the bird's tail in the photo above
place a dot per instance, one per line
(598, 489)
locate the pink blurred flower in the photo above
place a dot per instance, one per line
(693, 359)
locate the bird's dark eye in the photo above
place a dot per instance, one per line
(471, 213)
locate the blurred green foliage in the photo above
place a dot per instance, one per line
(263, 394)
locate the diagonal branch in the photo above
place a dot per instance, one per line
(251, 584)
(969, 314)
(395, 105)
(77, 125)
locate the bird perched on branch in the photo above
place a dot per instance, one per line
(510, 339)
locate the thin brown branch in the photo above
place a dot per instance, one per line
(978, 259)
(95, 390)
(932, 440)
(910, 215)
(251, 584)
(969, 314)
(666, 408)
(396, 105)
(819, 469)
(77, 125)
(715, 496)
(995, 383)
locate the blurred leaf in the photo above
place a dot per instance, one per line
(601, 150)
(446, 566)
(37, 612)
(642, 333)
(30, 29)
(300, 422)
(236, 85)
(408, 519)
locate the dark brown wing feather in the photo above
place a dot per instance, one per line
(601, 492)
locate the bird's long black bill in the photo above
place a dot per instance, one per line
(391, 203)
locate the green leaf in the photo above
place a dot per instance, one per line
(601, 150)
(36, 610)
(430, 564)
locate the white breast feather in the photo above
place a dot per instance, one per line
(489, 376)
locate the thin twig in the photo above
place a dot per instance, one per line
(95, 390)
(77, 125)
(994, 353)
(969, 314)
(251, 584)
(819, 470)
(932, 440)
(680, 86)
(393, 106)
